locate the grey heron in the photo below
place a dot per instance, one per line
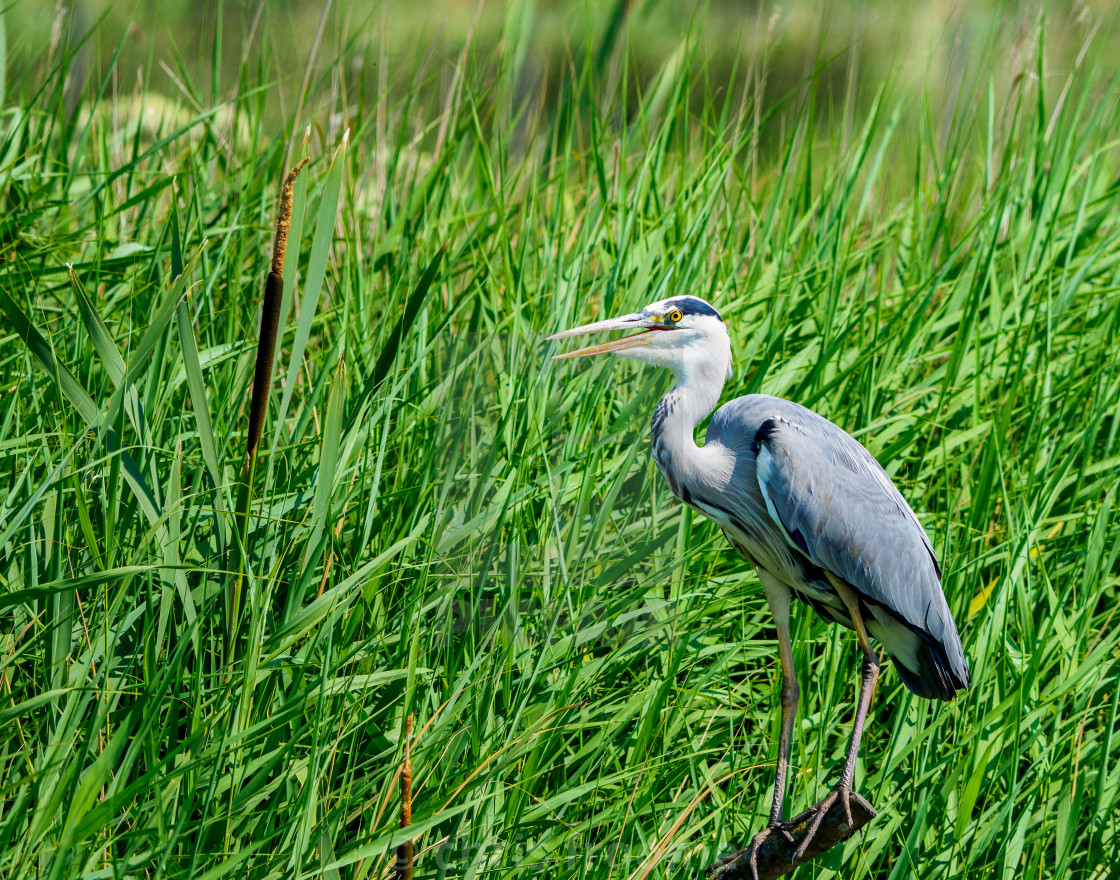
(809, 506)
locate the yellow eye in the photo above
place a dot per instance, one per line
(675, 315)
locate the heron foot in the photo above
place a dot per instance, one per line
(761, 838)
(842, 793)
(734, 864)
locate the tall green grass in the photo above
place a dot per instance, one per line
(447, 524)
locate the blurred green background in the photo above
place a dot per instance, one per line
(362, 48)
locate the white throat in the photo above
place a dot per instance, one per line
(701, 371)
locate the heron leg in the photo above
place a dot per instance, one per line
(868, 678)
(778, 597)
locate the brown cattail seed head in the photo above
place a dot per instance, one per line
(284, 218)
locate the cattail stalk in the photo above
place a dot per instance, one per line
(405, 850)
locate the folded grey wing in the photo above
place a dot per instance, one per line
(838, 507)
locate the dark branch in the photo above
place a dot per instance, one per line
(775, 855)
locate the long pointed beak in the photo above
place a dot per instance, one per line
(626, 322)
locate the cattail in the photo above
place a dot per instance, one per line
(404, 851)
(270, 315)
(258, 403)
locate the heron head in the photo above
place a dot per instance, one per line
(683, 333)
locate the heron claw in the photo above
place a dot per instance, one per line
(724, 865)
(843, 793)
(733, 864)
(760, 838)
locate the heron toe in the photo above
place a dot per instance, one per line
(760, 838)
(734, 864)
(721, 868)
(843, 796)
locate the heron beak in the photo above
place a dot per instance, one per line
(626, 322)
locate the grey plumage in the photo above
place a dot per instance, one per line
(820, 497)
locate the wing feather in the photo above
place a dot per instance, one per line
(837, 505)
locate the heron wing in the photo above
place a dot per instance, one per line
(836, 505)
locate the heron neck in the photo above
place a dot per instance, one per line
(673, 431)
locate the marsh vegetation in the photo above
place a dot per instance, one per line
(922, 245)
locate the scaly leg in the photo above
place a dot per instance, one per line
(868, 678)
(778, 597)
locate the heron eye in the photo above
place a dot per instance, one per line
(675, 316)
